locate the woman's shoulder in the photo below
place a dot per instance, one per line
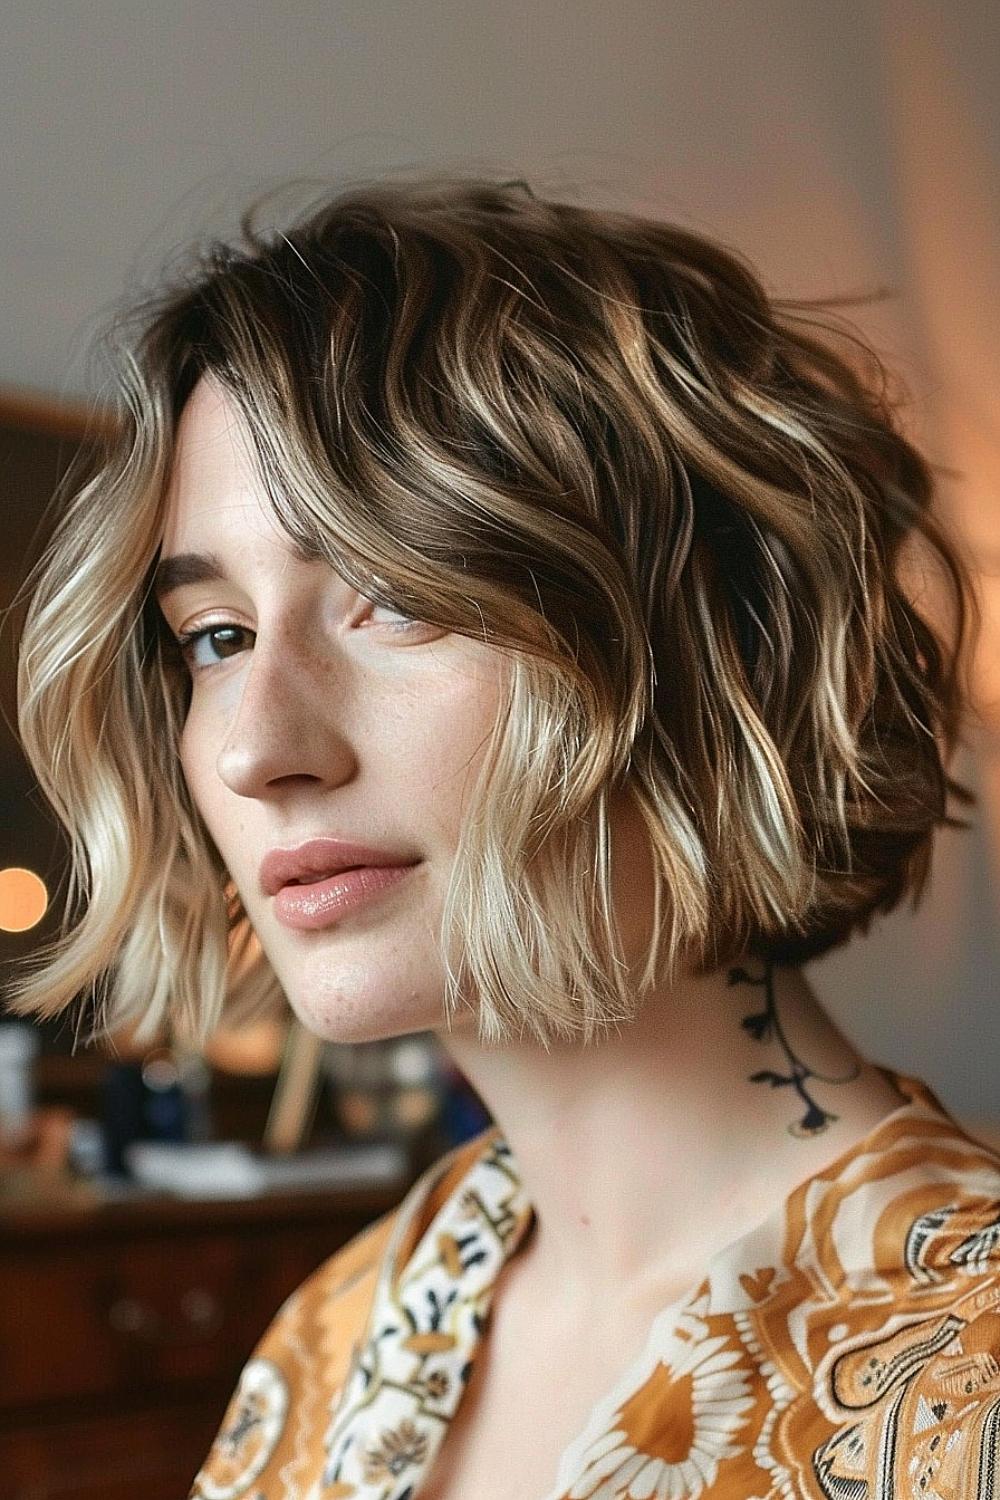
(273, 1431)
(885, 1334)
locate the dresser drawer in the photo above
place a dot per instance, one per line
(123, 1327)
(123, 1455)
(90, 1319)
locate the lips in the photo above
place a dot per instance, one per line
(320, 881)
(318, 859)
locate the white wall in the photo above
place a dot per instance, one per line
(129, 127)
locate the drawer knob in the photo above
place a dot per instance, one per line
(196, 1314)
(200, 1308)
(129, 1315)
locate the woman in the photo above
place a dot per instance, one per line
(498, 608)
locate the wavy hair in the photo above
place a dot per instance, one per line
(685, 513)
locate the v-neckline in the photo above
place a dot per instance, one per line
(449, 1277)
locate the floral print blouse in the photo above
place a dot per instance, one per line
(846, 1349)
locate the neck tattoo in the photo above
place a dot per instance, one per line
(765, 1026)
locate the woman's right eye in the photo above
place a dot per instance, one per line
(214, 644)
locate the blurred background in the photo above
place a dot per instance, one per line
(850, 151)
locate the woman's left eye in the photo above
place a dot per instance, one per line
(396, 625)
(214, 644)
(388, 614)
(383, 612)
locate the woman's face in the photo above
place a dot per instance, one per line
(331, 744)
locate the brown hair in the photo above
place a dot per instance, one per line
(594, 441)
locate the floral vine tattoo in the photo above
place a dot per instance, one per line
(765, 1026)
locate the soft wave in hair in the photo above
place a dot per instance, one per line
(593, 441)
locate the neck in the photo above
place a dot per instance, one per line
(647, 1151)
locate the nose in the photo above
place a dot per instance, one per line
(287, 728)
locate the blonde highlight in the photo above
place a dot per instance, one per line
(595, 443)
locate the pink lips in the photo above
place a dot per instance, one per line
(322, 880)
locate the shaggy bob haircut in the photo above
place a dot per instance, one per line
(684, 514)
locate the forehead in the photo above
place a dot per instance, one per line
(214, 480)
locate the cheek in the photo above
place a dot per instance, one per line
(454, 751)
(197, 761)
(189, 762)
(224, 823)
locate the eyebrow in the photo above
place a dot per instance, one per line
(184, 568)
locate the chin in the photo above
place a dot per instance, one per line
(374, 1017)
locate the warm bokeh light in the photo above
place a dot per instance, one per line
(23, 899)
(254, 1048)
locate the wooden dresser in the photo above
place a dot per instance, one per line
(124, 1325)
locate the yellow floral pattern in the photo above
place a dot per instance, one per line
(847, 1349)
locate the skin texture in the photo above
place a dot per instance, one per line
(317, 714)
(314, 713)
